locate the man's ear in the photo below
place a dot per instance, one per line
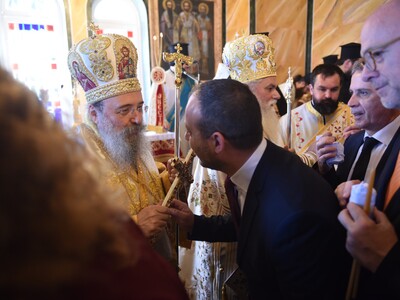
(311, 89)
(93, 114)
(218, 142)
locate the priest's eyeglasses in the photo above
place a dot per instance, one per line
(375, 55)
(125, 110)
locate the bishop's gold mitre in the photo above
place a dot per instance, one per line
(250, 57)
(105, 65)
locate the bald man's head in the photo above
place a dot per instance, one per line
(380, 46)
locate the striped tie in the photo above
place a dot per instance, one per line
(394, 182)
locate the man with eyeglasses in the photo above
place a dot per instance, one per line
(377, 123)
(374, 242)
(380, 49)
(114, 128)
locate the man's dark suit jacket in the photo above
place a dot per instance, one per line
(351, 146)
(290, 243)
(385, 282)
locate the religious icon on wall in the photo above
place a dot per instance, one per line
(192, 22)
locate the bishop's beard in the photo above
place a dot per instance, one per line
(124, 146)
(270, 122)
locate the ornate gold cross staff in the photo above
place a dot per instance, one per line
(289, 96)
(179, 59)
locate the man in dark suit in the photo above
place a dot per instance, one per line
(290, 244)
(377, 122)
(375, 242)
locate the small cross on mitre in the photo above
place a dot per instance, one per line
(93, 29)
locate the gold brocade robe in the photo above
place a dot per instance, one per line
(307, 123)
(135, 189)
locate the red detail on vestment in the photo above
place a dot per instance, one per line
(160, 106)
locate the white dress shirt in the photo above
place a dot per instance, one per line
(241, 179)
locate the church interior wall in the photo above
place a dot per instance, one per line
(333, 23)
(338, 22)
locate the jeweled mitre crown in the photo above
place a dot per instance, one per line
(105, 65)
(250, 57)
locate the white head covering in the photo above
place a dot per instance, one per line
(222, 72)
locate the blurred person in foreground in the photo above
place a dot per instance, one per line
(63, 234)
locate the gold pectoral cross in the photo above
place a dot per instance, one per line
(178, 58)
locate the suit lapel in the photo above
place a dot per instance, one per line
(385, 169)
(392, 211)
(351, 146)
